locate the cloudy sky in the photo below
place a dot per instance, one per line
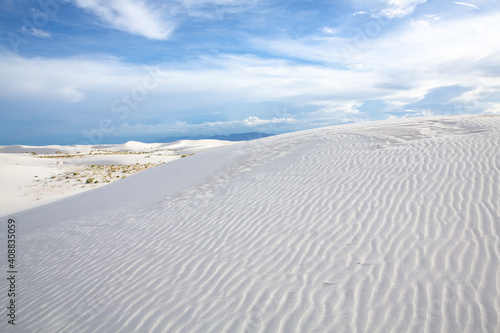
(108, 71)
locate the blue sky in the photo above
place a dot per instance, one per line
(109, 71)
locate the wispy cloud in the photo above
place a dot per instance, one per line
(36, 32)
(251, 123)
(133, 16)
(387, 8)
(328, 30)
(400, 8)
(466, 4)
(409, 64)
(155, 20)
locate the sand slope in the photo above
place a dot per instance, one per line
(388, 226)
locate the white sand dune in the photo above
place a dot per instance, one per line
(30, 178)
(375, 227)
(200, 145)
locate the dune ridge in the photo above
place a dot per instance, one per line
(388, 226)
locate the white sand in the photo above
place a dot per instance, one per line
(28, 180)
(376, 227)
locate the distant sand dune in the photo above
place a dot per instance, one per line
(391, 226)
(30, 178)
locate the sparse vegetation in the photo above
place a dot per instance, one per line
(96, 174)
(92, 175)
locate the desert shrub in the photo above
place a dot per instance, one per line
(89, 180)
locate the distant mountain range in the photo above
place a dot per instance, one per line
(230, 137)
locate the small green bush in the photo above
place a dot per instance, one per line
(89, 181)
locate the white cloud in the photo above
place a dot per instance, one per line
(337, 111)
(395, 70)
(328, 30)
(251, 123)
(466, 4)
(36, 32)
(336, 106)
(426, 21)
(484, 90)
(157, 21)
(256, 121)
(209, 9)
(217, 80)
(417, 112)
(493, 108)
(408, 63)
(400, 8)
(133, 16)
(432, 16)
(387, 8)
(64, 80)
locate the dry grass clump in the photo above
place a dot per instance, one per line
(97, 174)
